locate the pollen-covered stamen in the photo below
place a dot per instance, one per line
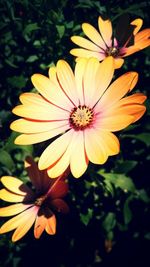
(39, 201)
(112, 51)
(81, 117)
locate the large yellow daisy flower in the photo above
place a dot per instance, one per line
(82, 109)
(103, 43)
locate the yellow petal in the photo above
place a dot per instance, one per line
(63, 163)
(105, 28)
(115, 123)
(93, 35)
(117, 90)
(51, 91)
(55, 150)
(10, 197)
(85, 43)
(79, 72)
(95, 148)
(31, 126)
(111, 142)
(78, 160)
(89, 80)
(13, 209)
(103, 78)
(118, 62)
(138, 23)
(67, 81)
(25, 224)
(28, 139)
(15, 185)
(51, 225)
(37, 112)
(83, 53)
(18, 220)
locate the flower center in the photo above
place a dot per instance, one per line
(39, 201)
(81, 117)
(112, 51)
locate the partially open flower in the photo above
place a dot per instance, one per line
(82, 109)
(32, 206)
(125, 41)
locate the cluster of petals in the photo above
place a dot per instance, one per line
(104, 43)
(32, 206)
(81, 109)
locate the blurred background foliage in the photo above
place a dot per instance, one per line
(108, 223)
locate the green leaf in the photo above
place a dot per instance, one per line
(109, 222)
(127, 211)
(32, 58)
(85, 218)
(30, 27)
(6, 159)
(119, 180)
(143, 196)
(144, 137)
(17, 81)
(60, 30)
(125, 166)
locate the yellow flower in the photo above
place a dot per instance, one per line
(32, 206)
(82, 110)
(103, 43)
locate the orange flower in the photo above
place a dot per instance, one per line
(103, 43)
(83, 109)
(32, 206)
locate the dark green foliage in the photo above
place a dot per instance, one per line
(110, 203)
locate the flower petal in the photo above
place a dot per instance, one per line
(103, 78)
(89, 82)
(51, 225)
(118, 62)
(40, 224)
(93, 35)
(16, 186)
(55, 150)
(31, 126)
(105, 28)
(95, 148)
(67, 81)
(79, 71)
(19, 220)
(83, 53)
(138, 23)
(33, 172)
(28, 139)
(13, 209)
(58, 190)
(26, 223)
(51, 91)
(115, 123)
(117, 90)
(10, 197)
(78, 160)
(78, 40)
(111, 142)
(60, 205)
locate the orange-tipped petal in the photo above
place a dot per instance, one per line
(40, 224)
(117, 90)
(51, 225)
(116, 122)
(118, 62)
